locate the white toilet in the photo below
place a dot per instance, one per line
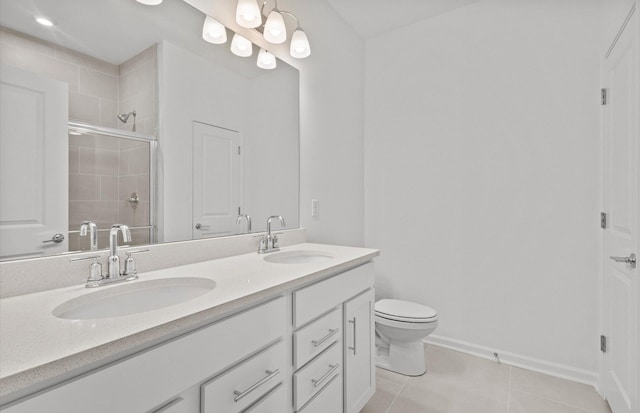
(400, 328)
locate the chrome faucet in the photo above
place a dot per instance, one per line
(269, 243)
(113, 261)
(96, 278)
(248, 218)
(93, 233)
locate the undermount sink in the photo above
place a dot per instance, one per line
(137, 297)
(298, 257)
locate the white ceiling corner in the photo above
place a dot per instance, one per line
(370, 18)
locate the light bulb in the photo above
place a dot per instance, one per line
(240, 46)
(266, 60)
(248, 14)
(150, 2)
(274, 29)
(213, 31)
(44, 21)
(299, 45)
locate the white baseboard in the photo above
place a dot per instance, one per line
(517, 360)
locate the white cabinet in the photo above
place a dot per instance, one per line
(359, 372)
(332, 312)
(151, 380)
(308, 351)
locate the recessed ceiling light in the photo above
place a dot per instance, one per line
(44, 21)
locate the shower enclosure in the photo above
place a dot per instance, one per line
(112, 180)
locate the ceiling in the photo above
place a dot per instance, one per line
(370, 18)
(116, 30)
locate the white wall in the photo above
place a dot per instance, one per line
(331, 116)
(261, 107)
(271, 148)
(184, 97)
(331, 127)
(481, 175)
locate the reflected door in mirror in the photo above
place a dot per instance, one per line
(34, 164)
(217, 182)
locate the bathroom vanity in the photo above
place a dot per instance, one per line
(290, 331)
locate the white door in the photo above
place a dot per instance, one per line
(359, 376)
(217, 183)
(34, 151)
(621, 189)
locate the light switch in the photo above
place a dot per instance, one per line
(315, 208)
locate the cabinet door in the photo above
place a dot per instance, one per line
(359, 377)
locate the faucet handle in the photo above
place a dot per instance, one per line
(95, 269)
(130, 263)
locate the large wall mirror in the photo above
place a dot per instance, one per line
(122, 113)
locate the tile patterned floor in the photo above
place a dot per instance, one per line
(460, 383)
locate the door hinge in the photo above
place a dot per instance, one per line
(603, 220)
(603, 343)
(238, 150)
(603, 96)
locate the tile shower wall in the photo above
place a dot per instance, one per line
(139, 91)
(103, 172)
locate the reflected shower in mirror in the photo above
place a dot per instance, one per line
(226, 131)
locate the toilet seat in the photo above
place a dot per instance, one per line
(405, 311)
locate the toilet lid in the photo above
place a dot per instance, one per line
(405, 311)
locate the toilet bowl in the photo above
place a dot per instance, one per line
(400, 328)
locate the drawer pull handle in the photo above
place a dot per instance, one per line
(332, 331)
(169, 405)
(241, 394)
(354, 336)
(325, 376)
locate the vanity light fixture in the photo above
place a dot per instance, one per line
(44, 21)
(300, 47)
(213, 31)
(274, 29)
(248, 14)
(266, 60)
(150, 2)
(240, 46)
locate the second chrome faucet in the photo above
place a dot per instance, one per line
(269, 243)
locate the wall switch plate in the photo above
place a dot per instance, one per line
(315, 207)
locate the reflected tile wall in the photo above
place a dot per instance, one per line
(93, 83)
(104, 173)
(138, 89)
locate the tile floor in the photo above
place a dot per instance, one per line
(460, 383)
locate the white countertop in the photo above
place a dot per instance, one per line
(38, 349)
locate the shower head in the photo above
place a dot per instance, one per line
(124, 117)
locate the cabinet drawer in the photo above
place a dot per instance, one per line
(313, 377)
(241, 386)
(327, 400)
(313, 339)
(318, 298)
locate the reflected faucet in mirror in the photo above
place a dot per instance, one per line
(93, 233)
(248, 218)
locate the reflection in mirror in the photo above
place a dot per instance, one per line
(112, 177)
(226, 131)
